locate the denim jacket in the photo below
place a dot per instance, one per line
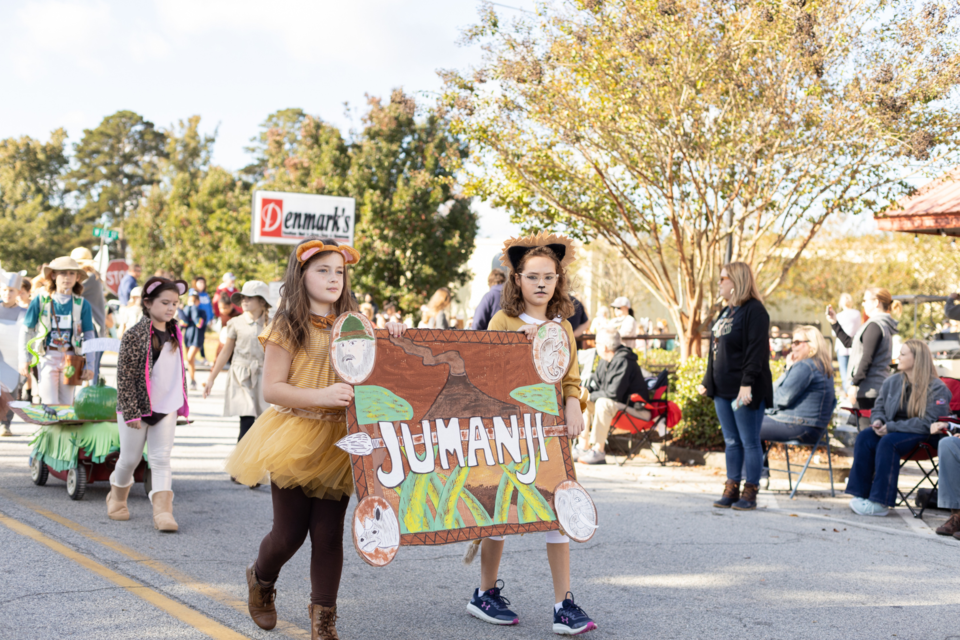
(803, 395)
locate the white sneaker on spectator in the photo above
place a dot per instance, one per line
(593, 457)
(865, 507)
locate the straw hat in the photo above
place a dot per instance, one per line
(252, 288)
(64, 263)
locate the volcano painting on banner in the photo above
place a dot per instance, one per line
(456, 435)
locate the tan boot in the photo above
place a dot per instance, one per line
(117, 503)
(163, 512)
(323, 622)
(260, 601)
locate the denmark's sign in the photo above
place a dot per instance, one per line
(288, 218)
(457, 435)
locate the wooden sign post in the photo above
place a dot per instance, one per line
(457, 435)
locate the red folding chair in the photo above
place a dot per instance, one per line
(631, 429)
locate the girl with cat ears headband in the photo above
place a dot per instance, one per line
(309, 249)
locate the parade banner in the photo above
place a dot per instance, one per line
(457, 435)
(287, 218)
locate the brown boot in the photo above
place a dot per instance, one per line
(260, 601)
(950, 527)
(163, 512)
(117, 503)
(323, 622)
(748, 499)
(731, 493)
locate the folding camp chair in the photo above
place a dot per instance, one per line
(822, 441)
(633, 426)
(925, 450)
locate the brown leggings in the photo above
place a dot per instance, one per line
(294, 515)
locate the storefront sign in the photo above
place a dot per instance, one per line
(288, 218)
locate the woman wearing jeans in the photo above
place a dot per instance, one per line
(739, 381)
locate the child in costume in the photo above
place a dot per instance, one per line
(151, 393)
(535, 292)
(294, 440)
(11, 319)
(195, 322)
(244, 395)
(57, 322)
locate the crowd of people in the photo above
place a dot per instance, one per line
(290, 403)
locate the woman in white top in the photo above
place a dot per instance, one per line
(623, 321)
(850, 320)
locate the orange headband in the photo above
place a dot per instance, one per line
(309, 249)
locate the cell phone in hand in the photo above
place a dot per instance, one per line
(736, 404)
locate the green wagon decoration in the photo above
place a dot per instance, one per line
(457, 435)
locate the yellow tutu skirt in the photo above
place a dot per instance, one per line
(291, 451)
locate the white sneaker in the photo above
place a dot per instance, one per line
(593, 457)
(865, 507)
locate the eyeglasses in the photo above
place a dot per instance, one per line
(799, 342)
(535, 279)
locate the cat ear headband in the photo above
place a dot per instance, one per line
(309, 249)
(515, 248)
(152, 286)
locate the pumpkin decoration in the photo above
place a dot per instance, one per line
(96, 402)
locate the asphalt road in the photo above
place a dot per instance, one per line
(664, 564)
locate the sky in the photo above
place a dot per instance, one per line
(70, 63)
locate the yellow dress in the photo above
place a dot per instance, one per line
(296, 447)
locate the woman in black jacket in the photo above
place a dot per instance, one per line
(739, 381)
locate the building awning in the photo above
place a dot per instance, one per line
(933, 209)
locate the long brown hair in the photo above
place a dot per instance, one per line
(50, 284)
(511, 300)
(165, 284)
(887, 303)
(924, 372)
(293, 313)
(438, 302)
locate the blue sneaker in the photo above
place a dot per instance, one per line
(492, 607)
(571, 620)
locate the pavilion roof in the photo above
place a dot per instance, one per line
(933, 209)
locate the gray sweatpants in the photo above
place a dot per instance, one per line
(948, 492)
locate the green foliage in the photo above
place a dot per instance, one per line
(196, 221)
(375, 404)
(658, 358)
(414, 231)
(115, 164)
(35, 225)
(700, 426)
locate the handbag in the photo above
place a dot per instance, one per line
(73, 369)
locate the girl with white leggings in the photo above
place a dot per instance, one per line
(151, 394)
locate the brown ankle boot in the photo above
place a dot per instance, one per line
(323, 622)
(260, 601)
(951, 526)
(748, 499)
(117, 503)
(731, 493)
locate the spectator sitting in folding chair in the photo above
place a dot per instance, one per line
(618, 376)
(906, 407)
(948, 489)
(803, 397)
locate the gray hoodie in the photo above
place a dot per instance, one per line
(888, 402)
(879, 368)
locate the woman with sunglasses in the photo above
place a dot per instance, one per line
(803, 397)
(739, 381)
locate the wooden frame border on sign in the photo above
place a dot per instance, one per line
(362, 466)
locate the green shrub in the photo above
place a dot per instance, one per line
(658, 358)
(700, 427)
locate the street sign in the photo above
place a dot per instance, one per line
(116, 270)
(288, 218)
(107, 234)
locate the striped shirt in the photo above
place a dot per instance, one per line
(311, 367)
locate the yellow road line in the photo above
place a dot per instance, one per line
(222, 597)
(181, 612)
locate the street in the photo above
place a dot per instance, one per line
(664, 563)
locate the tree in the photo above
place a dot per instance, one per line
(683, 130)
(115, 165)
(414, 230)
(195, 221)
(35, 225)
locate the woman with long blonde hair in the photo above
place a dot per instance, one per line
(908, 403)
(804, 396)
(739, 381)
(435, 311)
